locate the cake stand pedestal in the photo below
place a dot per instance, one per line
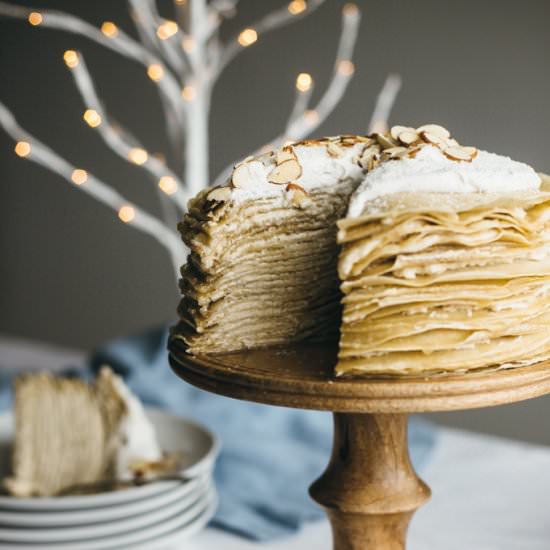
(369, 489)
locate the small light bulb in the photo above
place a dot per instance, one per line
(297, 6)
(188, 44)
(35, 18)
(181, 2)
(311, 116)
(346, 67)
(350, 9)
(155, 72)
(304, 82)
(247, 37)
(138, 156)
(168, 184)
(92, 118)
(126, 213)
(167, 29)
(189, 93)
(109, 29)
(79, 176)
(22, 148)
(71, 59)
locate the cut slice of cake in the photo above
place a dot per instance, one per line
(70, 433)
(444, 263)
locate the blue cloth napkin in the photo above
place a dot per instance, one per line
(270, 455)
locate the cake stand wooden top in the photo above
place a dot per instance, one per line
(301, 376)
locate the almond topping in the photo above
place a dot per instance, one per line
(285, 172)
(372, 163)
(219, 194)
(298, 195)
(386, 142)
(472, 151)
(241, 177)
(414, 151)
(348, 141)
(394, 152)
(367, 154)
(408, 137)
(397, 130)
(287, 153)
(434, 139)
(439, 131)
(334, 150)
(458, 153)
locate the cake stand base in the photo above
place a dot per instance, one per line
(369, 490)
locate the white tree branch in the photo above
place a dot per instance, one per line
(121, 43)
(147, 21)
(43, 155)
(117, 138)
(384, 104)
(270, 22)
(343, 72)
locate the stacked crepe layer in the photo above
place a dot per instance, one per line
(63, 433)
(437, 283)
(261, 271)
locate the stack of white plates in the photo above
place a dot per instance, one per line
(155, 516)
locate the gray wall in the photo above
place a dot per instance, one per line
(72, 274)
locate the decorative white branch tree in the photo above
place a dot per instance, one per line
(184, 56)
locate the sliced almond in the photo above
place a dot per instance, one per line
(415, 150)
(372, 163)
(364, 139)
(286, 153)
(367, 154)
(349, 141)
(241, 176)
(386, 141)
(436, 129)
(285, 172)
(451, 143)
(408, 137)
(334, 150)
(434, 139)
(219, 194)
(397, 130)
(297, 194)
(458, 153)
(395, 152)
(472, 151)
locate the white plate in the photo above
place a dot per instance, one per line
(185, 506)
(199, 448)
(64, 518)
(154, 537)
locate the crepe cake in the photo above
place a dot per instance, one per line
(69, 433)
(440, 260)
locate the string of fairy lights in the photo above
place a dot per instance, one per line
(184, 57)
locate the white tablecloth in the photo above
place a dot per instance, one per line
(488, 494)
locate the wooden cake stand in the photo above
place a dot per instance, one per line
(369, 488)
